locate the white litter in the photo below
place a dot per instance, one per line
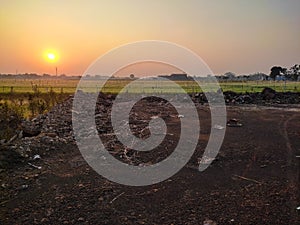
(180, 116)
(206, 160)
(219, 127)
(34, 166)
(35, 157)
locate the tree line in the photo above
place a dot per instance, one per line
(288, 74)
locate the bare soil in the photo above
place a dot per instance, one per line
(253, 180)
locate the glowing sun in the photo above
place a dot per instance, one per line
(51, 56)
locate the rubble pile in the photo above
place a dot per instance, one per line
(41, 135)
(267, 96)
(53, 130)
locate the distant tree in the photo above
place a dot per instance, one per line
(276, 71)
(284, 71)
(295, 71)
(229, 76)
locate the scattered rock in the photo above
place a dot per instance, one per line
(234, 123)
(209, 222)
(267, 96)
(30, 129)
(22, 187)
(80, 219)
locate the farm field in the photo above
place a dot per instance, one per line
(30, 97)
(114, 86)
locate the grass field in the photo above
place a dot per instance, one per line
(27, 98)
(114, 86)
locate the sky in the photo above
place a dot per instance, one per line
(240, 36)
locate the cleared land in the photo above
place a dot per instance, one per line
(254, 179)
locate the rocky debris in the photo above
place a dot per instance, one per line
(200, 97)
(31, 128)
(54, 187)
(244, 99)
(267, 96)
(268, 93)
(209, 222)
(53, 130)
(234, 123)
(49, 132)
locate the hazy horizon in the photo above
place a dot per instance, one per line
(243, 37)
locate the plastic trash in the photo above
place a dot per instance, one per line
(22, 187)
(219, 127)
(35, 157)
(34, 166)
(180, 116)
(206, 160)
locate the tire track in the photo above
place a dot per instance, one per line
(293, 176)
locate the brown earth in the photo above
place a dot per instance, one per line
(253, 180)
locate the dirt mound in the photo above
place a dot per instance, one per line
(268, 96)
(9, 159)
(268, 93)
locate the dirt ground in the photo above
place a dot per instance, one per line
(253, 180)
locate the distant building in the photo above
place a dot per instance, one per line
(258, 76)
(280, 78)
(175, 76)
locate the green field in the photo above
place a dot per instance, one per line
(114, 86)
(27, 98)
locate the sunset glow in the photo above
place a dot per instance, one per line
(238, 36)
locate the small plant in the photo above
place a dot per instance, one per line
(10, 118)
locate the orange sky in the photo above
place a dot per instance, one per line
(234, 35)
